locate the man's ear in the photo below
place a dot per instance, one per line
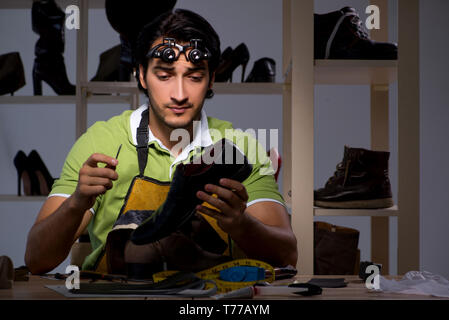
(142, 77)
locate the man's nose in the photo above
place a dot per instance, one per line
(179, 93)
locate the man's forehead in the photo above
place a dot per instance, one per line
(181, 62)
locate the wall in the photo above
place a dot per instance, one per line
(341, 113)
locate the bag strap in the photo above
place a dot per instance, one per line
(142, 142)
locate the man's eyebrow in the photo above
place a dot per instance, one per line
(163, 68)
(199, 68)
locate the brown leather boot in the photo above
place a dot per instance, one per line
(361, 181)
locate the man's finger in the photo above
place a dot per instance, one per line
(235, 186)
(96, 158)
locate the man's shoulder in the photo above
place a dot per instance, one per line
(218, 124)
(117, 122)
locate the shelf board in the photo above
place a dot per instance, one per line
(355, 72)
(26, 4)
(325, 212)
(219, 87)
(15, 198)
(107, 99)
(248, 88)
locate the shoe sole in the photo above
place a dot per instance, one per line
(357, 204)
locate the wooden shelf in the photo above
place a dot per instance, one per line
(15, 198)
(324, 212)
(249, 88)
(26, 4)
(219, 87)
(355, 71)
(107, 99)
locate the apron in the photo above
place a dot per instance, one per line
(199, 245)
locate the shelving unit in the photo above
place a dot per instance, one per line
(298, 101)
(302, 72)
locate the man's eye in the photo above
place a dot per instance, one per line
(196, 78)
(163, 77)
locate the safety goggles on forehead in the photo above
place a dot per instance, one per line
(166, 51)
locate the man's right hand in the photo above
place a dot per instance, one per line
(94, 180)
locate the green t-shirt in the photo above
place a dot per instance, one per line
(106, 136)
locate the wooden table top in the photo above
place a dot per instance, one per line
(35, 289)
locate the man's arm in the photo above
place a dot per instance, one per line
(61, 221)
(50, 239)
(262, 230)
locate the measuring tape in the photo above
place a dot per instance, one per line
(214, 274)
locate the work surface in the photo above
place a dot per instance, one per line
(35, 289)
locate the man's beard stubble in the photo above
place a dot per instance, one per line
(159, 116)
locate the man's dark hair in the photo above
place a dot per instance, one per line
(182, 25)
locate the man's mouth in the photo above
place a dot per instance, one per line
(179, 110)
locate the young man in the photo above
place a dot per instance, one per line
(93, 184)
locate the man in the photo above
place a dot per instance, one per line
(93, 184)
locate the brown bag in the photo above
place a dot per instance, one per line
(335, 249)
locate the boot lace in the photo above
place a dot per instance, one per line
(359, 27)
(342, 169)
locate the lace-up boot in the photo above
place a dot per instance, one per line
(361, 181)
(341, 35)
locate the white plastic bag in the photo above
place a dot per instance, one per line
(417, 282)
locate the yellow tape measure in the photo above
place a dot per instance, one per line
(214, 274)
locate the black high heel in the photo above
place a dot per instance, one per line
(44, 178)
(230, 61)
(24, 172)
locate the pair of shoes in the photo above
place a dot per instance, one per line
(229, 61)
(341, 35)
(12, 76)
(360, 182)
(264, 70)
(48, 21)
(34, 174)
(221, 160)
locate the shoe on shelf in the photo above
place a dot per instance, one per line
(108, 68)
(264, 70)
(44, 178)
(341, 35)
(230, 60)
(26, 175)
(221, 160)
(360, 182)
(48, 21)
(12, 76)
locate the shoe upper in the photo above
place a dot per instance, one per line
(221, 160)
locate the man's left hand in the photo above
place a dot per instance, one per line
(231, 201)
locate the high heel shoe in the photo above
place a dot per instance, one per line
(230, 61)
(45, 180)
(25, 174)
(12, 76)
(47, 20)
(264, 70)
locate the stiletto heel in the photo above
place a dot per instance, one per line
(243, 71)
(37, 84)
(264, 70)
